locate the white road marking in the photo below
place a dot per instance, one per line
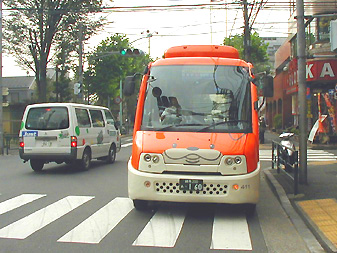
(230, 231)
(312, 155)
(163, 229)
(23, 228)
(126, 145)
(98, 225)
(18, 201)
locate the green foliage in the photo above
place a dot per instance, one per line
(259, 56)
(278, 121)
(107, 67)
(34, 31)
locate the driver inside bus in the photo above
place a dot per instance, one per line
(172, 114)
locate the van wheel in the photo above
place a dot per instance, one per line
(111, 155)
(37, 165)
(140, 205)
(85, 162)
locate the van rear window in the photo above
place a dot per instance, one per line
(47, 118)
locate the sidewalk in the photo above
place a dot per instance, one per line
(316, 202)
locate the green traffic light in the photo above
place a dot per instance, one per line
(123, 52)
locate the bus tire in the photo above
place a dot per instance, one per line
(140, 205)
(37, 165)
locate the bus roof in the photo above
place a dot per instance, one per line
(202, 51)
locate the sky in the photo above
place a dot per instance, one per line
(174, 26)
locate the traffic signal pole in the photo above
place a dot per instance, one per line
(121, 105)
(301, 45)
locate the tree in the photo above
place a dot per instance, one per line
(107, 67)
(259, 56)
(35, 29)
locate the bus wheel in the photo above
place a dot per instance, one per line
(250, 209)
(37, 165)
(84, 163)
(111, 155)
(140, 204)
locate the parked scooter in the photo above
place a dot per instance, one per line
(287, 152)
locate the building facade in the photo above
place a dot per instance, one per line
(321, 76)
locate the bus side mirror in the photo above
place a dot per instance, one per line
(268, 86)
(129, 86)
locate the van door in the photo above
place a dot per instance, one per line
(99, 146)
(112, 130)
(46, 130)
(85, 135)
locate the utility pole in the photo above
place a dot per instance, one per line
(246, 32)
(301, 63)
(1, 111)
(80, 60)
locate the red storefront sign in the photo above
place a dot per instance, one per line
(316, 70)
(321, 70)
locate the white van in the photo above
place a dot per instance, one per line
(68, 132)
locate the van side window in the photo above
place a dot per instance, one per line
(109, 118)
(82, 116)
(97, 118)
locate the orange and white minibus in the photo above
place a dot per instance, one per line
(196, 135)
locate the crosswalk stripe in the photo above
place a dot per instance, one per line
(126, 145)
(312, 155)
(98, 225)
(23, 228)
(18, 201)
(230, 232)
(163, 229)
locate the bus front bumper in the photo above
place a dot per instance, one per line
(234, 189)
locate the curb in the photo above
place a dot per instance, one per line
(308, 237)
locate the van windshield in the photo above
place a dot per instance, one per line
(47, 118)
(200, 98)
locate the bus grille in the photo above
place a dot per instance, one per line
(208, 189)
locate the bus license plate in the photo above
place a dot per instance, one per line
(191, 185)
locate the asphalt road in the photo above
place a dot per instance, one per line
(63, 209)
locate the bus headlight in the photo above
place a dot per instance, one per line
(229, 161)
(155, 159)
(147, 158)
(238, 159)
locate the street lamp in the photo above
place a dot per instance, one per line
(149, 35)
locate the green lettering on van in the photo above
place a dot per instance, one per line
(77, 131)
(22, 125)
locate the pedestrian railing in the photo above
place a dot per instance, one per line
(10, 141)
(279, 160)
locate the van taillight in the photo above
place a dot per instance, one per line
(21, 143)
(73, 141)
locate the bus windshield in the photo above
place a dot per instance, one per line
(198, 98)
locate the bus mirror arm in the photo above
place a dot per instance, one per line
(256, 104)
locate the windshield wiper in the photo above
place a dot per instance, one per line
(222, 123)
(179, 125)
